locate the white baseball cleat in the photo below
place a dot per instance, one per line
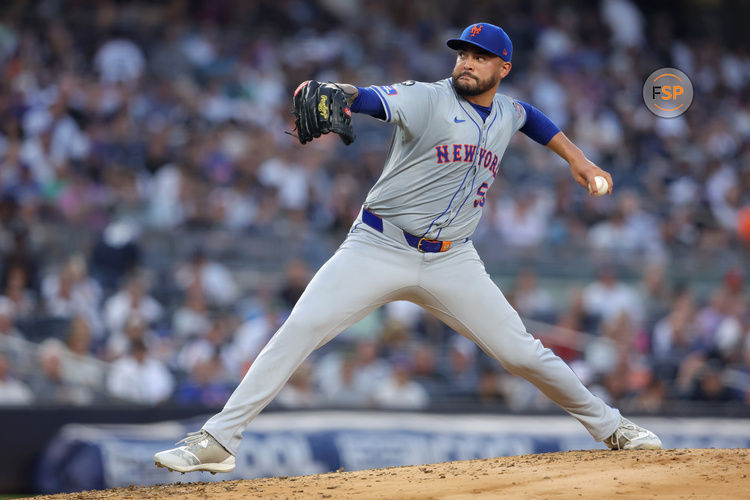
(629, 436)
(201, 452)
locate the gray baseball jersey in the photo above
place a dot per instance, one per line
(442, 160)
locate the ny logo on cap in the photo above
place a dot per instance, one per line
(476, 29)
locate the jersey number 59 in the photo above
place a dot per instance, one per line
(479, 202)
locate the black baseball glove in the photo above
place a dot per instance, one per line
(319, 109)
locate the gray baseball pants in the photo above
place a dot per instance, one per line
(370, 269)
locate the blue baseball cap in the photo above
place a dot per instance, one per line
(485, 36)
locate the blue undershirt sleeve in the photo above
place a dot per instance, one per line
(538, 126)
(369, 103)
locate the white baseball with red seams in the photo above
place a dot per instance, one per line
(601, 186)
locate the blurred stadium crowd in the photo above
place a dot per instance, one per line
(141, 143)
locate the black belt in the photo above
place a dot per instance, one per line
(420, 243)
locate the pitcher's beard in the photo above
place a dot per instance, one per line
(466, 89)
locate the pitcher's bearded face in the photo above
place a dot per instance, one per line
(476, 71)
(467, 84)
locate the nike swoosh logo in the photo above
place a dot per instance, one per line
(457, 120)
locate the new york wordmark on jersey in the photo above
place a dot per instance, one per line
(446, 153)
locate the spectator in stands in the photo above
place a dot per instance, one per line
(72, 292)
(607, 297)
(712, 314)
(732, 332)
(734, 284)
(490, 387)
(341, 389)
(9, 219)
(213, 278)
(299, 392)
(136, 329)
(400, 390)
(139, 378)
(214, 344)
(290, 178)
(425, 369)
(576, 308)
(36, 152)
(627, 232)
(18, 293)
(13, 392)
(191, 319)
(166, 58)
(168, 202)
(460, 368)
(119, 60)
(371, 368)
(79, 337)
(79, 366)
(131, 300)
(522, 221)
(708, 383)
(54, 138)
(619, 348)
(12, 172)
(206, 385)
(11, 339)
(58, 381)
(675, 336)
(20, 263)
(656, 290)
(650, 399)
(115, 254)
(529, 299)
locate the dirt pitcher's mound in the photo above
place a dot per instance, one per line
(588, 474)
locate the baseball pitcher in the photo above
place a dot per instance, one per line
(412, 241)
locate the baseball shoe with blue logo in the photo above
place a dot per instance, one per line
(201, 452)
(629, 436)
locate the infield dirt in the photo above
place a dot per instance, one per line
(699, 474)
